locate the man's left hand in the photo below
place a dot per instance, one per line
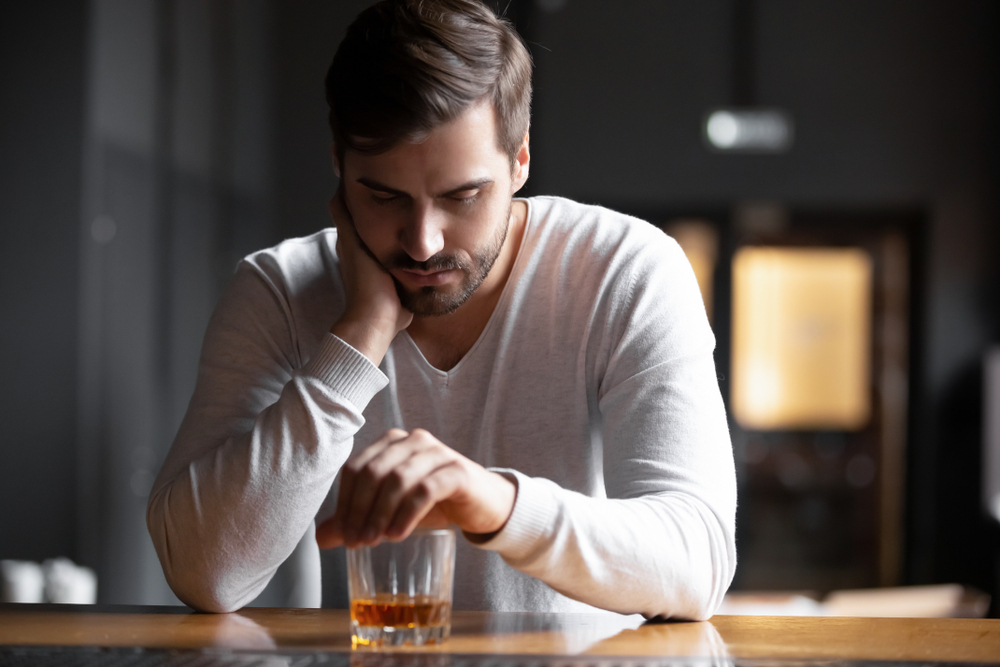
(409, 479)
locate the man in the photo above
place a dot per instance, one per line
(537, 373)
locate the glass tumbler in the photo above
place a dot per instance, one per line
(401, 592)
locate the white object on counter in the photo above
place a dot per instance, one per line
(57, 580)
(22, 581)
(68, 583)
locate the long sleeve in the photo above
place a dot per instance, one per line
(263, 438)
(661, 543)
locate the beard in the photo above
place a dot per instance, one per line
(432, 300)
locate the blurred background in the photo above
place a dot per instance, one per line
(841, 213)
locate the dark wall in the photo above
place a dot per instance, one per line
(41, 107)
(892, 101)
(306, 37)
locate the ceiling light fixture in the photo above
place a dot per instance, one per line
(749, 130)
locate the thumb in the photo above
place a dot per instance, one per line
(329, 534)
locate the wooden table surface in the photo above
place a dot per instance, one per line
(752, 637)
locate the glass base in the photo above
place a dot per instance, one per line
(377, 636)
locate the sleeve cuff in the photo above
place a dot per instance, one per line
(532, 521)
(350, 373)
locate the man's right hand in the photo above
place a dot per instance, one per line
(373, 315)
(406, 479)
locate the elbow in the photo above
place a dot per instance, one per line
(687, 603)
(206, 598)
(189, 573)
(704, 608)
(717, 581)
(696, 591)
(713, 570)
(204, 589)
(705, 599)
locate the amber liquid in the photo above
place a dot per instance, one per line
(401, 611)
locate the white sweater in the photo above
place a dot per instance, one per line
(593, 384)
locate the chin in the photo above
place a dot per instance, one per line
(433, 301)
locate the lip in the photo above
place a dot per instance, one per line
(428, 278)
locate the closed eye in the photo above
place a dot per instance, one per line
(470, 192)
(381, 194)
(466, 196)
(384, 198)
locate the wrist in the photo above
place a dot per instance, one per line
(365, 336)
(506, 497)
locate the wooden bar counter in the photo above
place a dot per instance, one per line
(753, 638)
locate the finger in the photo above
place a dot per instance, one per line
(329, 534)
(436, 518)
(367, 484)
(399, 482)
(432, 489)
(353, 500)
(348, 474)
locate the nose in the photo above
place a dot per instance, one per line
(423, 236)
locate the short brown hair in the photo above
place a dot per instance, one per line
(406, 67)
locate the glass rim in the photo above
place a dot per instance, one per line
(417, 532)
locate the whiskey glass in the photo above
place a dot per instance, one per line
(401, 592)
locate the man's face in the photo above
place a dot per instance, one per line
(435, 214)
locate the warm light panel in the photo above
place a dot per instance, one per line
(700, 242)
(801, 338)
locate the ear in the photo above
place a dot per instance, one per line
(521, 164)
(336, 162)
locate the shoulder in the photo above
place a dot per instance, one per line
(600, 229)
(296, 265)
(289, 293)
(633, 274)
(602, 239)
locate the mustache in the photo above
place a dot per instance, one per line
(439, 262)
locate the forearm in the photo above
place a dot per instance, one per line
(224, 517)
(658, 555)
(662, 543)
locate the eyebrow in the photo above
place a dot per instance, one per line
(381, 187)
